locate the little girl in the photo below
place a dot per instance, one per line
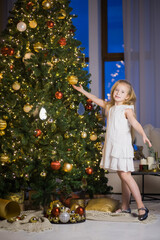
(118, 152)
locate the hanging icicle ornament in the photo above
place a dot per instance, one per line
(43, 114)
(81, 109)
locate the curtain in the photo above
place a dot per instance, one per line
(141, 20)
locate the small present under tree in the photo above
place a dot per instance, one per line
(50, 135)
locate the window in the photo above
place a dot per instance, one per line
(112, 44)
(80, 9)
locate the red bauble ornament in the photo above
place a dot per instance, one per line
(38, 132)
(4, 51)
(89, 106)
(11, 67)
(62, 42)
(55, 165)
(10, 51)
(89, 101)
(89, 170)
(55, 211)
(80, 211)
(50, 24)
(29, 5)
(71, 30)
(59, 95)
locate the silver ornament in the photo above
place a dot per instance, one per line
(64, 217)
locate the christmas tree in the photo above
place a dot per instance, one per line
(51, 135)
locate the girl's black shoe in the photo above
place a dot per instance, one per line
(143, 216)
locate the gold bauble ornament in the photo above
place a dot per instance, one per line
(72, 106)
(4, 158)
(11, 220)
(2, 133)
(99, 116)
(98, 145)
(81, 117)
(78, 217)
(3, 124)
(33, 220)
(5, 117)
(67, 167)
(33, 24)
(66, 135)
(72, 219)
(93, 136)
(74, 206)
(83, 134)
(72, 79)
(52, 39)
(16, 86)
(43, 174)
(38, 46)
(62, 14)
(18, 55)
(56, 219)
(56, 203)
(49, 211)
(46, 4)
(1, 76)
(27, 107)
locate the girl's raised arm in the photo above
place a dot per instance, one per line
(95, 99)
(136, 125)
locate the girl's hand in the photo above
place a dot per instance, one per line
(146, 140)
(80, 88)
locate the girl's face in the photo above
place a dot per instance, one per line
(120, 93)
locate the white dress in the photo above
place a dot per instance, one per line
(118, 151)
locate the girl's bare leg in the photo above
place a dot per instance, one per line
(126, 195)
(128, 180)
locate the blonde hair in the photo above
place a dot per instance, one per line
(131, 94)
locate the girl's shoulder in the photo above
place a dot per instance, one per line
(128, 107)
